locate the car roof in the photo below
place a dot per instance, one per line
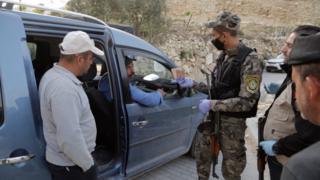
(57, 22)
(125, 39)
(88, 23)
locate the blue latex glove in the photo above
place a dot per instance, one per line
(185, 82)
(205, 106)
(267, 147)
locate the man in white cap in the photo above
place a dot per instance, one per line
(68, 124)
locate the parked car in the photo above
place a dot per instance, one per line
(272, 88)
(274, 65)
(131, 138)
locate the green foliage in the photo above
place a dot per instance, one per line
(186, 54)
(148, 17)
(33, 50)
(188, 13)
(22, 8)
(38, 11)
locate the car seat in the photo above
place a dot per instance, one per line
(102, 112)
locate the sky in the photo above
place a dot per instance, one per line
(49, 3)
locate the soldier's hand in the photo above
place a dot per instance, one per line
(205, 106)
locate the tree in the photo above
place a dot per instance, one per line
(38, 11)
(148, 17)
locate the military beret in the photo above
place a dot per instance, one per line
(225, 19)
(305, 50)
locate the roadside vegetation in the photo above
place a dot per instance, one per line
(148, 18)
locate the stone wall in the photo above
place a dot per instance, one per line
(265, 25)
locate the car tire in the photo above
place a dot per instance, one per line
(269, 69)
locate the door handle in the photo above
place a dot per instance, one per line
(15, 160)
(139, 123)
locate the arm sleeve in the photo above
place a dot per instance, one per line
(66, 111)
(251, 72)
(144, 98)
(201, 87)
(307, 134)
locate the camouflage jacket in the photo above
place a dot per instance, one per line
(250, 76)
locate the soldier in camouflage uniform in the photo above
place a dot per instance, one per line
(235, 95)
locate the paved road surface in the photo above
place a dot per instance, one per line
(184, 168)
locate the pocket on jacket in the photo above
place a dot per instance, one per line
(280, 111)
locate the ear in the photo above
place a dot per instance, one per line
(313, 86)
(225, 35)
(79, 58)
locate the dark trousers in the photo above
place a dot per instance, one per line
(275, 168)
(72, 172)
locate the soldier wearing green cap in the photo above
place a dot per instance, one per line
(305, 61)
(235, 95)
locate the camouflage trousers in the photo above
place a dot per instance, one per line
(232, 144)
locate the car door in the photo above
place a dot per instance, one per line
(160, 133)
(22, 145)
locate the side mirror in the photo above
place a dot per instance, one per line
(151, 77)
(271, 88)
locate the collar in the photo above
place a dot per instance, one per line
(234, 51)
(65, 72)
(286, 68)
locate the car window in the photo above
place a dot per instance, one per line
(145, 65)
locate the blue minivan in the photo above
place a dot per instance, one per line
(131, 139)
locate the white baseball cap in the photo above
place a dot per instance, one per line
(78, 42)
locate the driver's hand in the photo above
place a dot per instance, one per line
(162, 92)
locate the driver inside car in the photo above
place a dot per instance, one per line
(138, 95)
(145, 98)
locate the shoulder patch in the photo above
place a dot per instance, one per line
(252, 83)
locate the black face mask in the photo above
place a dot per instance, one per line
(218, 44)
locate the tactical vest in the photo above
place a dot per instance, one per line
(226, 81)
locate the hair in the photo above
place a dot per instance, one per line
(306, 30)
(129, 60)
(312, 69)
(70, 57)
(233, 33)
